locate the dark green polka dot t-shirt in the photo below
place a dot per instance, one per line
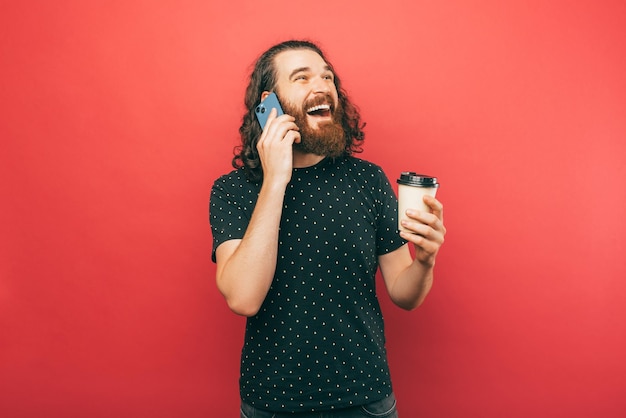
(318, 341)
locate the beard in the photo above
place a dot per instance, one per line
(328, 139)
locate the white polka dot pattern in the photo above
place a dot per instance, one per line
(318, 340)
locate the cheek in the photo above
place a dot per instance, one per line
(294, 93)
(299, 98)
(335, 95)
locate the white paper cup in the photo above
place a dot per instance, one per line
(411, 190)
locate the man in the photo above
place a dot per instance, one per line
(300, 228)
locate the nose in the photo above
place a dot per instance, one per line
(321, 85)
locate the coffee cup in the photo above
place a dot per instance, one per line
(411, 190)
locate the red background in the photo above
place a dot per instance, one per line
(117, 116)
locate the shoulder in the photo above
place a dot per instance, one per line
(235, 175)
(365, 169)
(235, 184)
(236, 178)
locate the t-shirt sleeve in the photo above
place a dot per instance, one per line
(388, 238)
(227, 216)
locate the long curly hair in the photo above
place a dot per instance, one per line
(263, 78)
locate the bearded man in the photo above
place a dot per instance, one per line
(300, 228)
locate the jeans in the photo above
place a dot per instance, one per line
(385, 408)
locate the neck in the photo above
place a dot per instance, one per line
(302, 160)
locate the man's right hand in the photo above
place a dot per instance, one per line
(275, 147)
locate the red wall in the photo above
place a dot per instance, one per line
(117, 116)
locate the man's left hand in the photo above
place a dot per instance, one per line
(428, 231)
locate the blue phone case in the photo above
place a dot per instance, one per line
(263, 109)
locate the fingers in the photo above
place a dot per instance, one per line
(434, 218)
(419, 219)
(427, 229)
(434, 232)
(426, 241)
(435, 206)
(426, 247)
(280, 128)
(275, 147)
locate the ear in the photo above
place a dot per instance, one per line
(265, 94)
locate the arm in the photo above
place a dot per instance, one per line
(245, 267)
(408, 280)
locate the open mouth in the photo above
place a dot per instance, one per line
(322, 110)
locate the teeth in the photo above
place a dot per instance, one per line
(319, 107)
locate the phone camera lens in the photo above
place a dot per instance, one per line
(258, 109)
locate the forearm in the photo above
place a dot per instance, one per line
(411, 282)
(412, 285)
(244, 275)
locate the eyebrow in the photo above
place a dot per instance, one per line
(306, 69)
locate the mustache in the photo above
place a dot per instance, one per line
(325, 99)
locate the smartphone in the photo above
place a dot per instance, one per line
(263, 109)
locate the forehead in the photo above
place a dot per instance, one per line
(298, 59)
